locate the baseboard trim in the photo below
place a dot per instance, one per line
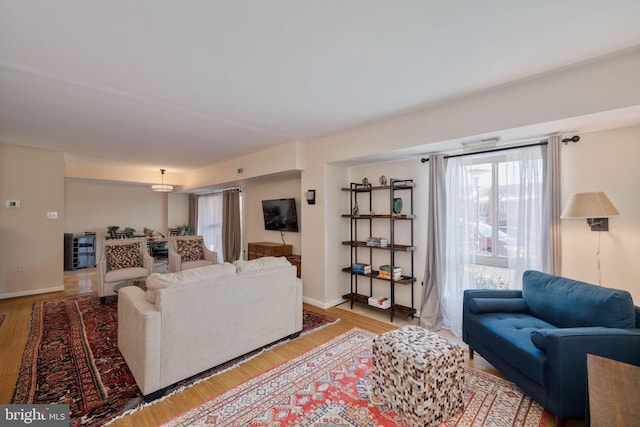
(323, 305)
(31, 292)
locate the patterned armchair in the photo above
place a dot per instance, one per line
(122, 259)
(187, 252)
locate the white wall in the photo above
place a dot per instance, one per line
(610, 162)
(31, 245)
(253, 222)
(602, 161)
(91, 206)
(592, 88)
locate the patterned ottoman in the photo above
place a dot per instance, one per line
(419, 374)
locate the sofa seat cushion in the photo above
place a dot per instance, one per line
(125, 274)
(568, 303)
(509, 334)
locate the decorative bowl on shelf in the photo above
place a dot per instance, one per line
(397, 205)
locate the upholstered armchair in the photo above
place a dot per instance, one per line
(122, 259)
(187, 252)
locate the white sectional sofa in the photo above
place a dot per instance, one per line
(193, 320)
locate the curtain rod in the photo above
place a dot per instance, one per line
(216, 191)
(574, 138)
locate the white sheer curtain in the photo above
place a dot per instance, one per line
(529, 217)
(210, 222)
(459, 256)
(520, 191)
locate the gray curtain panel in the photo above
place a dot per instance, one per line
(554, 150)
(231, 239)
(193, 213)
(430, 310)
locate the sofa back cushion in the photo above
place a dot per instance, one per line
(210, 273)
(568, 303)
(261, 264)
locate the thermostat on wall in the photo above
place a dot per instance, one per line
(13, 203)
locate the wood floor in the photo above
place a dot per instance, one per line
(15, 330)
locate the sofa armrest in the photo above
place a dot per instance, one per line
(567, 349)
(469, 294)
(139, 337)
(147, 262)
(174, 262)
(497, 305)
(210, 255)
(492, 293)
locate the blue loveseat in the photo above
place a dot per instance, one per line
(539, 337)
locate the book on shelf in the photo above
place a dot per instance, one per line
(361, 268)
(380, 302)
(391, 268)
(378, 242)
(386, 275)
(388, 271)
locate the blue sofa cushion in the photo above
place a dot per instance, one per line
(539, 339)
(497, 305)
(568, 303)
(509, 334)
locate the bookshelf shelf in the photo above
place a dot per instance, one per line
(358, 247)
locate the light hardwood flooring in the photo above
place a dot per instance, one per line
(14, 333)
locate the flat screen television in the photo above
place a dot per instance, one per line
(280, 214)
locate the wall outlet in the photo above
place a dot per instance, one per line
(19, 268)
(52, 215)
(13, 203)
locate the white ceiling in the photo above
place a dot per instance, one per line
(184, 84)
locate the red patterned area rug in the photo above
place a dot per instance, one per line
(330, 386)
(72, 358)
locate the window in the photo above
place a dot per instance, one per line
(496, 220)
(210, 222)
(210, 216)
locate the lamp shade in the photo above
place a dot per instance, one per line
(589, 205)
(162, 188)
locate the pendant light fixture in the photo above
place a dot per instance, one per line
(162, 188)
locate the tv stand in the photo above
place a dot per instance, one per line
(261, 249)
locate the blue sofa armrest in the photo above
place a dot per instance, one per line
(497, 305)
(492, 293)
(470, 294)
(566, 369)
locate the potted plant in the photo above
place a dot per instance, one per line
(112, 229)
(185, 230)
(129, 231)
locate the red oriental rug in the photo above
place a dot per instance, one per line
(330, 386)
(72, 358)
